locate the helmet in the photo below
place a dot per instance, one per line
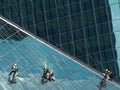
(103, 74)
(15, 64)
(45, 68)
(106, 70)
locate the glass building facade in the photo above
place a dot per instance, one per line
(69, 73)
(86, 29)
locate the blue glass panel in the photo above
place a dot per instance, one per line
(115, 11)
(117, 38)
(118, 53)
(119, 63)
(112, 1)
(116, 25)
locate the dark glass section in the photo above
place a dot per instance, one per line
(78, 35)
(101, 15)
(90, 31)
(41, 30)
(80, 48)
(88, 18)
(87, 5)
(92, 45)
(68, 48)
(52, 27)
(64, 24)
(103, 28)
(105, 42)
(54, 40)
(49, 4)
(66, 37)
(99, 3)
(76, 21)
(96, 61)
(75, 8)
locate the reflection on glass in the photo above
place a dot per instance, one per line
(116, 25)
(118, 54)
(113, 1)
(115, 11)
(117, 37)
